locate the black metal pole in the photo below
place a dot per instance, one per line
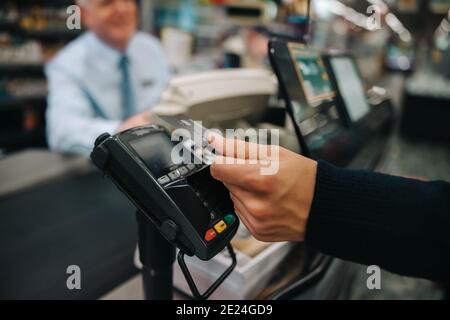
(157, 256)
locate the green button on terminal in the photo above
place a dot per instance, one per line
(229, 219)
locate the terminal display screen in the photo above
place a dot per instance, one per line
(312, 73)
(309, 88)
(350, 87)
(155, 152)
(308, 92)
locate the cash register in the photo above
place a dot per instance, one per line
(326, 102)
(357, 104)
(333, 121)
(350, 95)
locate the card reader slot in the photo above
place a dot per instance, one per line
(207, 196)
(212, 191)
(192, 206)
(206, 188)
(224, 207)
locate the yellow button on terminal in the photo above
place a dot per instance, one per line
(220, 226)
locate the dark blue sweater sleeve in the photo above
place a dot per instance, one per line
(399, 224)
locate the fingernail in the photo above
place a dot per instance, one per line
(212, 136)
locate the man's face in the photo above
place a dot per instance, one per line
(114, 21)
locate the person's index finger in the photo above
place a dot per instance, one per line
(228, 171)
(233, 148)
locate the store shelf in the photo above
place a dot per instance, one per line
(53, 3)
(9, 26)
(35, 69)
(46, 34)
(18, 102)
(51, 35)
(15, 110)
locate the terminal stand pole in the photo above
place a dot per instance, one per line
(157, 256)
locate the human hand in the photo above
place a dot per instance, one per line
(137, 120)
(273, 207)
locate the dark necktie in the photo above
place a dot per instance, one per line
(126, 88)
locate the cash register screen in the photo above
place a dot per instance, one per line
(312, 73)
(350, 87)
(155, 150)
(308, 86)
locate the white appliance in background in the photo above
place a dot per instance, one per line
(225, 99)
(219, 96)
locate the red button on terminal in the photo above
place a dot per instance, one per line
(210, 234)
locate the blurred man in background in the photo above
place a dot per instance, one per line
(107, 80)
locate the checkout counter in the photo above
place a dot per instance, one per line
(61, 212)
(58, 211)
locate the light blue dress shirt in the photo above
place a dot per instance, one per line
(86, 88)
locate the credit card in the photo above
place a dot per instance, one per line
(195, 129)
(193, 135)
